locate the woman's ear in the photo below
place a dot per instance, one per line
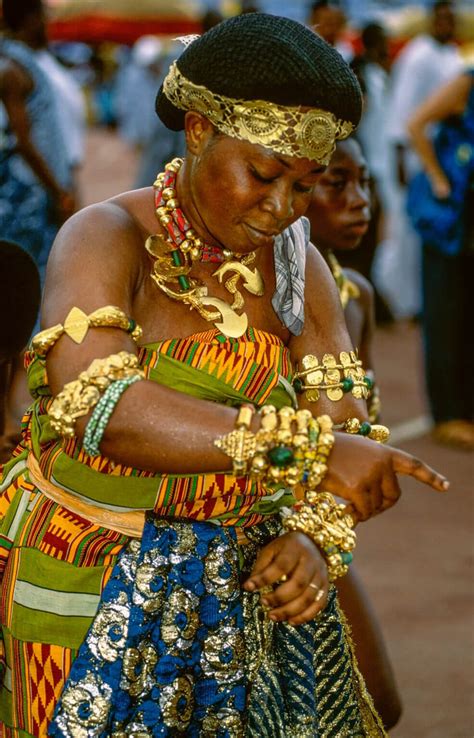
(199, 130)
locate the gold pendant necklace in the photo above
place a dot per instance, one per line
(175, 253)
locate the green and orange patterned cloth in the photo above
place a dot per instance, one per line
(67, 521)
(55, 561)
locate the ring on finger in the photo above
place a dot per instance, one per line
(282, 579)
(319, 591)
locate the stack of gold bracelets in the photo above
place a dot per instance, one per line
(291, 448)
(101, 385)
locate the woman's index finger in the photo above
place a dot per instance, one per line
(405, 463)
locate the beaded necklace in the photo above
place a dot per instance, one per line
(175, 253)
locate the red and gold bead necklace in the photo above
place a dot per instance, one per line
(175, 253)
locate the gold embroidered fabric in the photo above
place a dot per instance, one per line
(289, 130)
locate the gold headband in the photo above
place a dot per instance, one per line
(285, 129)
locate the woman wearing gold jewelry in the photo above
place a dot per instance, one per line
(157, 555)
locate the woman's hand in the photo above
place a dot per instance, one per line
(365, 473)
(440, 185)
(293, 558)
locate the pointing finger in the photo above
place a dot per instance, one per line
(403, 463)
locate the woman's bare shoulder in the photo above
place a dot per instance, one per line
(100, 250)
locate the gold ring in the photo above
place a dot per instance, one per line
(319, 595)
(314, 586)
(282, 579)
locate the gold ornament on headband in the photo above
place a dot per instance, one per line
(287, 130)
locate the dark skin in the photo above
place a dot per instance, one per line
(243, 194)
(16, 86)
(339, 214)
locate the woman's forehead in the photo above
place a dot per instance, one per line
(349, 152)
(261, 154)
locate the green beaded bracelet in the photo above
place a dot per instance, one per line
(99, 419)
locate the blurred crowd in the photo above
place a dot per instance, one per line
(51, 93)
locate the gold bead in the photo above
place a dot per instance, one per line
(195, 253)
(165, 220)
(352, 425)
(185, 245)
(172, 203)
(168, 193)
(259, 463)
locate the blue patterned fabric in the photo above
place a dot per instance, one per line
(165, 652)
(442, 223)
(177, 648)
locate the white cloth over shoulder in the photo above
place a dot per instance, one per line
(290, 262)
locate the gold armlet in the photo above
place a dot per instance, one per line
(290, 448)
(379, 433)
(77, 398)
(77, 324)
(334, 377)
(322, 519)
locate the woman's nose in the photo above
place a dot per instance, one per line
(279, 202)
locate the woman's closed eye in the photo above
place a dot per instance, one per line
(263, 178)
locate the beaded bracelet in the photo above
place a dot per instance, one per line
(100, 417)
(277, 453)
(322, 519)
(77, 398)
(335, 377)
(379, 433)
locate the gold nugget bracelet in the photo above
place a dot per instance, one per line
(322, 519)
(78, 397)
(375, 432)
(291, 447)
(332, 376)
(77, 324)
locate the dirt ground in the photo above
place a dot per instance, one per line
(416, 560)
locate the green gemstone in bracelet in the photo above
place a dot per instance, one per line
(347, 384)
(280, 456)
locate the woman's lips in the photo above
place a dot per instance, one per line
(259, 237)
(359, 228)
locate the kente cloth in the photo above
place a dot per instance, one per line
(150, 634)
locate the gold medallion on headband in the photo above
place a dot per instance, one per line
(287, 130)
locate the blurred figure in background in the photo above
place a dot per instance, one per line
(137, 83)
(424, 64)
(35, 174)
(442, 206)
(329, 21)
(71, 108)
(137, 120)
(36, 191)
(339, 215)
(371, 68)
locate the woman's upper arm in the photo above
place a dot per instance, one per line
(450, 99)
(324, 331)
(93, 264)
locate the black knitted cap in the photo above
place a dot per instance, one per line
(266, 57)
